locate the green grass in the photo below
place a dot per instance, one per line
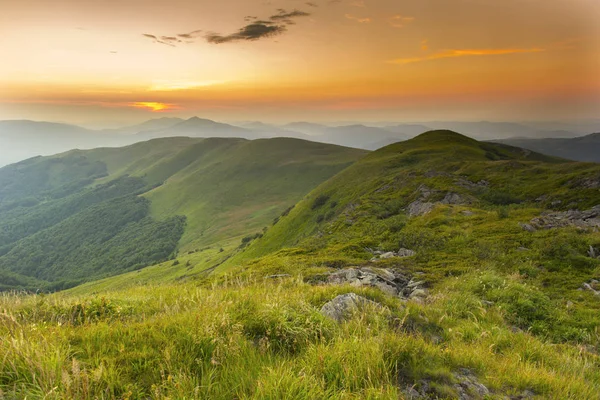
(504, 302)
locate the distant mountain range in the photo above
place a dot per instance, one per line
(585, 148)
(23, 139)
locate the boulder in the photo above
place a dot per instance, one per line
(419, 207)
(343, 306)
(405, 253)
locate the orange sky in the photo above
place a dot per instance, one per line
(118, 61)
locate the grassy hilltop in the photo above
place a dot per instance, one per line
(488, 236)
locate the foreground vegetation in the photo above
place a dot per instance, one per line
(240, 319)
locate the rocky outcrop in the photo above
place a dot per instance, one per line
(561, 219)
(467, 387)
(385, 255)
(344, 306)
(390, 282)
(422, 206)
(418, 207)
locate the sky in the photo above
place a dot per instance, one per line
(110, 62)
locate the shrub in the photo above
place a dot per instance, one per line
(320, 201)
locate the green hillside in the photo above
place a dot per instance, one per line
(478, 265)
(79, 216)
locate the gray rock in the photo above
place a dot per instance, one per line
(389, 254)
(468, 387)
(467, 213)
(419, 207)
(560, 219)
(453, 198)
(343, 306)
(592, 252)
(414, 284)
(527, 227)
(589, 288)
(405, 253)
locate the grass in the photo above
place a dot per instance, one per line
(504, 302)
(251, 338)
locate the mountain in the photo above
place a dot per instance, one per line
(440, 267)
(585, 148)
(23, 139)
(486, 130)
(83, 215)
(150, 125)
(198, 127)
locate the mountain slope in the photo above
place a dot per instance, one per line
(83, 215)
(585, 148)
(464, 272)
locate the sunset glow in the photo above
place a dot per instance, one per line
(290, 60)
(152, 106)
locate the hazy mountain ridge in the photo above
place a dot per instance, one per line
(23, 139)
(585, 148)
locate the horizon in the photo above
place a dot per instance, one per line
(288, 60)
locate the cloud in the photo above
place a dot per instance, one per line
(254, 29)
(311, 4)
(466, 53)
(399, 21)
(190, 35)
(424, 45)
(358, 19)
(358, 3)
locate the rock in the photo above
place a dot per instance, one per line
(405, 253)
(468, 387)
(343, 306)
(418, 207)
(588, 287)
(522, 249)
(413, 284)
(592, 252)
(418, 293)
(389, 254)
(452, 198)
(393, 284)
(560, 219)
(527, 227)
(345, 275)
(467, 213)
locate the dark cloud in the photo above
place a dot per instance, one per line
(311, 4)
(255, 29)
(286, 16)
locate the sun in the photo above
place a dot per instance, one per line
(154, 106)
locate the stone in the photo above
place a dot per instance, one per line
(406, 253)
(389, 254)
(419, 207)
(527, 227)
(343, 306)
(560, 219)
(467, 213)
(468, 387)
(452, 198)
